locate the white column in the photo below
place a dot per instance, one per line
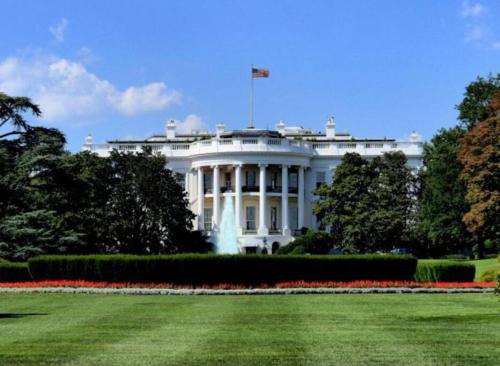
(216, 196)
(284, 200)
(239, 199)
(186, 181)
(201, 199)
(262, 201)
(301, 197)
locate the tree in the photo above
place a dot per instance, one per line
(11, 109)
(370, 204)
(392, 197)
(478, 95)
(345, 204)
(479, 153)
(442, 203)
(148, 210)
(33, 233)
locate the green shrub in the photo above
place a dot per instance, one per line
(490, 275)
(200, 269)
(14, 272)
(445, 271)
(312, 242)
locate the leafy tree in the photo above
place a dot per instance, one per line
(11, 110)
(370, 204)
(346, 205)
(478, 95)
(442, 203)
(479, 153)
(392, 197)
(148, 209)
(32, 233)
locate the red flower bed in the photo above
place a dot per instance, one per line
(223, 286)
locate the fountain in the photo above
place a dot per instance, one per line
(227, 240)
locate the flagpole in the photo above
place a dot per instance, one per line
(250, 122)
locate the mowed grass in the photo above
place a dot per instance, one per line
(409, 329)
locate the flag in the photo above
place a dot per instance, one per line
(260, 73)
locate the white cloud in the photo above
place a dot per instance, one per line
(58, 30)
(191, 122)
(478, 29)
(151, 97)
(85, 55)
(472, 10)
(67, 91)
(475, 33)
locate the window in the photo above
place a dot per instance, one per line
(227, 183)
(320, 179)
(207, 182)
(294, 218)
(181, 180)
(274, 180)
(251, 178)
(250, 224)
(207, 219)
(274, 218)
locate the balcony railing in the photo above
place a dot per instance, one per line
(265, 145)
(273, 189)
(250, 188)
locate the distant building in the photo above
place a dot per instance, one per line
(270, 173)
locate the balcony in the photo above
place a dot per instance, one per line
(273, 189)
(250, 188)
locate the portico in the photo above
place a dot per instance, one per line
(262, 188)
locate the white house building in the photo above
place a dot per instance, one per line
(271, 174)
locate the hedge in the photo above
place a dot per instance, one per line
(14, 272)
(209, 269)
(445, 271)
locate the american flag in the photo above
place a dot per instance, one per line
(260, 73)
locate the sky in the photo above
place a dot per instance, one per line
(121, 69)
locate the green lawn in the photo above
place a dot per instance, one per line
(410, 329)
(481, 264)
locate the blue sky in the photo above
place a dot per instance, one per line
(120, 69)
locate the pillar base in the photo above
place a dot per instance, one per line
(287, 232)
(239, 231)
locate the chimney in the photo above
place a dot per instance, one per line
(170, 130)
(89, 140)
(330, 128)
(219, 129)
(280, 127)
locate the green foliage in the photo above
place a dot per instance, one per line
(444, 271)
(442, 202)
(198, 269)
(490, 275)
(477, 97)
(369, 205)
(14, 272)
(35, 232)
(12, 110)
(148, 210)
(312, 242)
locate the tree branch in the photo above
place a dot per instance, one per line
(10, 133)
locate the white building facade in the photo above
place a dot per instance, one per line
(271, 174)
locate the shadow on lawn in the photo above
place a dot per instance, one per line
(19, 315)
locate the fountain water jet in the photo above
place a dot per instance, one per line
(227, 240)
